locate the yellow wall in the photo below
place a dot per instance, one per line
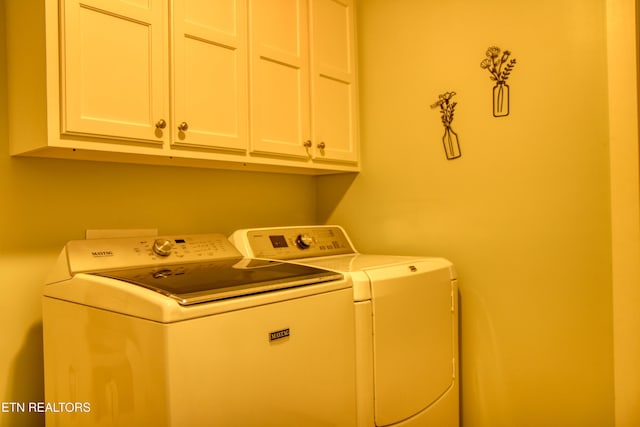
(46, 202)
(625, 204)
(524, 213)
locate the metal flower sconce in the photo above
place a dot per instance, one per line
(450, 138)
(500, 67)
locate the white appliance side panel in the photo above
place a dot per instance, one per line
(445, 412)
(225, 371)
(364, 365)
(413, 330)
(111, 364)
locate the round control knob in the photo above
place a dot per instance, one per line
(304, 241)
(162, 247)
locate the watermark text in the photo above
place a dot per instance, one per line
(58, 407)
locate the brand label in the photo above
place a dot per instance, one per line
(99, 254)
(279, 335)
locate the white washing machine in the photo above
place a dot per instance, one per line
(406, 322)
(183, 331)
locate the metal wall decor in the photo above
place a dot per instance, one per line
(450, 138)
(500, 67)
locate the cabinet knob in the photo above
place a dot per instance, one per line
(183, 126)
(161, 124)
(321, 145)
(307, 143)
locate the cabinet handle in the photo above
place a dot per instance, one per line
(322, 145)
(161, 124)
(307, 143)
(183, 126)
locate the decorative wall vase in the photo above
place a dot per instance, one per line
(501, 99)
(450, 138)
(500, 67)
(451, 144)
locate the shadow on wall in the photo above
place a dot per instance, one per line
(27, 375)
(330, 189)
(482, 370)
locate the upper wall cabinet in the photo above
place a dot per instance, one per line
(303, 79)
(280, 65)
(174, 82)
(210, 99)
(113, 69)
(334, 112)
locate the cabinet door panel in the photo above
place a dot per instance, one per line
(334, 119)
(281, 126)
(279, 77)
(334, 92)
(210, 74)
(333, 34)
(113, 69)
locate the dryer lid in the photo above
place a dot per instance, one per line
(191, 283)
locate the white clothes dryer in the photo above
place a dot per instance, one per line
(406, 313)
(183, 331)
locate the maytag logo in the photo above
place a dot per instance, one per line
(279, 335)
(100, 254)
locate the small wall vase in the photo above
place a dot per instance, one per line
(500, 67)
(451, 144)
(450, 138)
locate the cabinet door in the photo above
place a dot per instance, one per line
(210, 84)
(113, 68)
(334, 92)
(279, 71)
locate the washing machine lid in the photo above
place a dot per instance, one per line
(192, 283)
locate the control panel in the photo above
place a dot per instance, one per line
(293, 242)
(112, 253)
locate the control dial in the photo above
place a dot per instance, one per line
(304, 241)
(162, 247)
